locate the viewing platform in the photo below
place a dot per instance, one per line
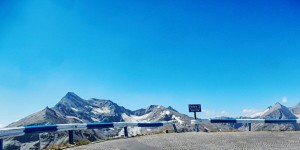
(263, 140)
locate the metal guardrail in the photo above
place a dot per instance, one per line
(20, 131)
(247, 121)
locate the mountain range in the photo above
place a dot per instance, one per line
(73, 109)
(278, 111)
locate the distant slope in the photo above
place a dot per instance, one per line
(45, 116)
(277, 111)
(296, 110)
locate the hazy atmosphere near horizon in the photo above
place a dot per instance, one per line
(234, 57)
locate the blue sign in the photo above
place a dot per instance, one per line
(194, 107)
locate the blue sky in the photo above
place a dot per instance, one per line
(233, 57)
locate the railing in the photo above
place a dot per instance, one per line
(20, 131)
(247, 121)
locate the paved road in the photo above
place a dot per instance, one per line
(216, 141)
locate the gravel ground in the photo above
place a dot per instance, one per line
(219, 140)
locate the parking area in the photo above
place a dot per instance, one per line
(215, 140)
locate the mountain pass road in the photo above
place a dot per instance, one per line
(289, 140)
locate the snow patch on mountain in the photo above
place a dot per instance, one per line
(298, 116)
(95, 119)
(132, 131)
(73, 117)
(178, 119)
(135, 131)
(258, 114)
(74, 109)
(2, 125)
(101, 111)
(165, 113)
(133, 118)
(29, 145)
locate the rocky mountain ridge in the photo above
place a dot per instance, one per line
(73, 109)
(277, 111)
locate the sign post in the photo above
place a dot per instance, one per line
(195, 108)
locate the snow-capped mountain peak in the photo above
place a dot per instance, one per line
(259, 114)
(278, 111)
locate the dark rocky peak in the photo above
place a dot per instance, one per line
(48, 110)
(279, 111)
(49, 113)
(45, 116)
(278, 105)
(71, 104)
(72, 100)
(144, 111)
(139, 112)
(151, 108)
(126, 111)
(171, 108)
(72, 95)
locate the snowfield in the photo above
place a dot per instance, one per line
(102, 110)
(73, 117)
(165, 113)
(95, 119)
(134, 118)
(2, 125)
(263, 140)
(74, 109)
(177, 119)
(259, 113)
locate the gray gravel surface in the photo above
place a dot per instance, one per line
(219, 140)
